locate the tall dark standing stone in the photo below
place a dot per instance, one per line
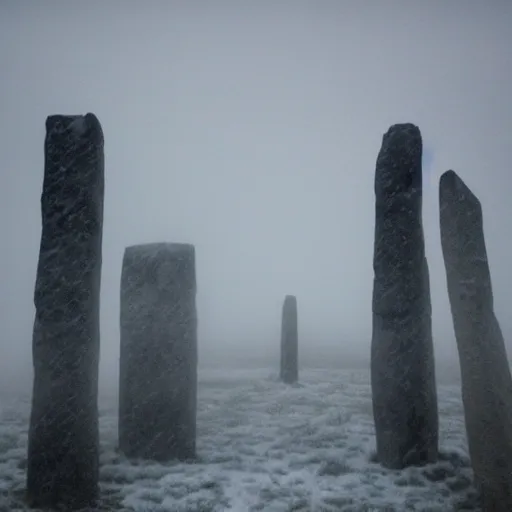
(402, 355)
(289, 341)
(63, 444)
(158, 365)
(485, 372)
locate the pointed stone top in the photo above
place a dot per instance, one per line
(450, 180)
(290, 304)
(405, 131)
(403, 136)
(453, 188)
(398, 168)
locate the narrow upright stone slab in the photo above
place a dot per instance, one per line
(63, 444)
(402, 357)
(158, 364)
(289, 341)
(485, 372)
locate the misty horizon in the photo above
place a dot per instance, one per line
(252, 131)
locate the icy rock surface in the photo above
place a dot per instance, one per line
(63, 445)
(485, 372)
(402, 359)
(158, 364)
(289, 341)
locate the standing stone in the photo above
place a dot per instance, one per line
(289, 341)
(485, 372)
(63, 441)
(402, 356)
(158, 364)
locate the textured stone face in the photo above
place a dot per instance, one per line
(289, 341)
(402, 359)
(485, 372)
(63, 445)
(158, 365)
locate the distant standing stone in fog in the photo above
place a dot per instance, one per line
(289, 341)
(63, 444)
(485, 372)
(158, 363)
(402, 357)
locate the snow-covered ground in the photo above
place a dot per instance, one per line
(264, 446)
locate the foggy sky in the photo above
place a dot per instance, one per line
(251, 129)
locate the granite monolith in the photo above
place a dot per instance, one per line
(158, 360)
(63, 439)
(485, 372)
(402, 357)
(289, 341)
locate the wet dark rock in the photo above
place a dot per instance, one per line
(402, 357)
(485, 372)
(63, 444)
(158, 361)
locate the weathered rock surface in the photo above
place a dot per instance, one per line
(63, 444)
(289, 341)
(402, 357)
(485, 372)
(158, 363)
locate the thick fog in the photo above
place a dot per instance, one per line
(251, 129)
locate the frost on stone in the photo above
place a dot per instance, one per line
(63, 445)
(289, 371)
(158, 363)
(485, 372)
(402, 359)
